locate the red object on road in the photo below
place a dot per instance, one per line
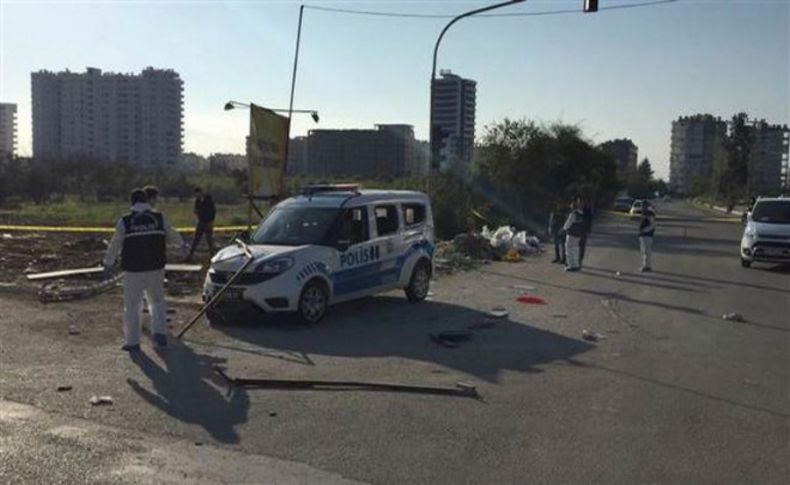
(534, 300)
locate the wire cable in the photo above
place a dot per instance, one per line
(511, 14)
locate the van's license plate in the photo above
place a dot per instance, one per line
(232, 294)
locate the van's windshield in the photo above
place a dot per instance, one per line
(775, 211)
(295, 226)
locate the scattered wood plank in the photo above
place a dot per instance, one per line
(188, 268)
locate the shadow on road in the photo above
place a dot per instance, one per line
(182, 391)
(677, 387)
(387, 326)
(697, 278)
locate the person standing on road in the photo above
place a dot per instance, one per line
(141, 239)
(573, 229)
(647, 227)
(556, 220)
(205, 211)
(586, 227)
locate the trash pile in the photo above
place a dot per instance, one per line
(469, 250)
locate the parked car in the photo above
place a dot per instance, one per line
(329, 244)
(766, 237)
(636, 208)
(623, 204)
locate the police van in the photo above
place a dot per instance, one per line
(332, 243)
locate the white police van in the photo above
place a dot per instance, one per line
(330, 244)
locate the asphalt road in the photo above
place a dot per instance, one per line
(674, 393)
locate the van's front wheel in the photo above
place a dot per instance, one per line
(420, 282)
(313, 302)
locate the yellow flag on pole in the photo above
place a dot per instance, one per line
(266, 152)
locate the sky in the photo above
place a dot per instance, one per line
(624, 72)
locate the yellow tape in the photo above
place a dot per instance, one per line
(19, 228)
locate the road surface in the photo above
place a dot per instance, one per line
(674, 393)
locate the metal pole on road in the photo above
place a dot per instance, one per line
(431, 135)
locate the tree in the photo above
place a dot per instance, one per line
(640, 183)
(526, 169)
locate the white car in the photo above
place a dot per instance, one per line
(636, 208)
(328, 245)
(766, 237)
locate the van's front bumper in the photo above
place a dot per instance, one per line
(269, 296)
(766, 251)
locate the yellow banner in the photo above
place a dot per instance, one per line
(266, 152)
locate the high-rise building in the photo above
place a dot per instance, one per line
(768, 158)
(7, 130)
(387, 151)
(696, 141)
(297, 156)
(624, 153)
(453, 103)
(108, 116)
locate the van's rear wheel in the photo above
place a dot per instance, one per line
(420, 282)
(313, 302)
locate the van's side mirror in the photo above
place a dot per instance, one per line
(343, 244)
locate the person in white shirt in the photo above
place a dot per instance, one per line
(140, 240)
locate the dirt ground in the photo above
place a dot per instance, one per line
(23, 253)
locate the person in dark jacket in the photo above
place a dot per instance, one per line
(573, 228)
(556, 220)
(586, 227)
(647, 228)
(205, 213)
(140, 240)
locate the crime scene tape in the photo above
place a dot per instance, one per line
(22, 228)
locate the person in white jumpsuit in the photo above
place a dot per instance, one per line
(574, 226)
(140, 240)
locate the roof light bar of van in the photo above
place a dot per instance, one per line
(314, 189)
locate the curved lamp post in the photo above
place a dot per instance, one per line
(433, 141)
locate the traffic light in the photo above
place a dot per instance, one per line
(590, 6)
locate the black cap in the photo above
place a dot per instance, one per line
(138, 196)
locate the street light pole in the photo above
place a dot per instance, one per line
(431, 135)
(293, 83)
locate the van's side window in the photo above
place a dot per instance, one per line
(413, 214)
(352, 226)
(386, 219)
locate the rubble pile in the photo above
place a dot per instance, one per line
(469, 250)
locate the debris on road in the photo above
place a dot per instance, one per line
(63, 388)
(100, 400)
(444, 343)
(488, 323)
(618, 274)
(733, 317)
(461, 389)
(451, 338)
(469, 250)
(57, 292)
(524, 287)
(560, 315)
(73, 330)
(498, 312)
(592, 336)
(531, 300)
